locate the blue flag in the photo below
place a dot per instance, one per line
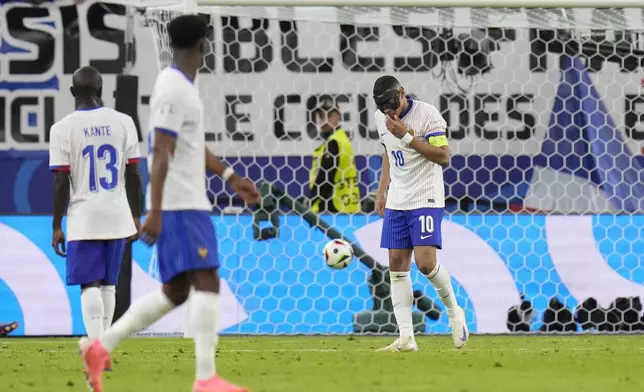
(583, 140)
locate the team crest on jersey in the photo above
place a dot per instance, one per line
(203, 252)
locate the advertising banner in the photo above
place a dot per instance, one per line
(282, 286)
(263, 76)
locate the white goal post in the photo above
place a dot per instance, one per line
(403, 3)
(545, 188)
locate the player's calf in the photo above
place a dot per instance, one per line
(204, 307)
(441, 280)
(92, 309)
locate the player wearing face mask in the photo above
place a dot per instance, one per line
(333, 178)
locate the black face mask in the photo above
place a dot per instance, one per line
(389, 100)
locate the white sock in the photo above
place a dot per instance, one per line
(141, 314)
(109, 303)
(92, 309)
(440, 279)
(402, 299)
(203, 316)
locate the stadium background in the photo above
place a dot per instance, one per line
(282, 285)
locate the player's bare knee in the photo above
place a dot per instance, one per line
(400, 260)
(177, 294)
(205, 280)
(178, 289)
(425, 257)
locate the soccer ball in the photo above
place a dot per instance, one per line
(338, 254)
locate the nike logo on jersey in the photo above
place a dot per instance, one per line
(383, 134)
(424, 237)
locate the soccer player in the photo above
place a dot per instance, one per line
(178, 217)
(413, 134)
(94, 151)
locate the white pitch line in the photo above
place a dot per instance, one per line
(432, 350)
(521, 350)
(338, 350)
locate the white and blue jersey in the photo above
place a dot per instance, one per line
(94, 145)
(416, 194)
(187, 240)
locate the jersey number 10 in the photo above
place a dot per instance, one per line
(106, 154)
(399, 159)
(426, 224)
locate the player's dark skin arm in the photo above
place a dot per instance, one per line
(215, 165)
(385, 180)
(163, 148)
(439, 155)
(61, 199)
(323, 185)
(134, 191)
(242, 186)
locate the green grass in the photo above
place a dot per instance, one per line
(339, 364)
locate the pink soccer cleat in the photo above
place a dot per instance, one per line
(108, 365)
(95, 358)
(216, 384)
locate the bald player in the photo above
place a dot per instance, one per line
(94, 153)
(411, 198)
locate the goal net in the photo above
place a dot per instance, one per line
(544, 187)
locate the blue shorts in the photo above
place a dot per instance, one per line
(90, 261)
(412, 228)
(187, 242)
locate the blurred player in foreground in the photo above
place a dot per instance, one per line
(95, 151)
(178, 217)
(413, 134)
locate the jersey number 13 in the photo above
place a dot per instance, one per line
(106, 156)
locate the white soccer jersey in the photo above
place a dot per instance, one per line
(416, 182)
(176, 109)
(95, 145)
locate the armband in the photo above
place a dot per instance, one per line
(228, 172)
(438, 141)
(407, 138)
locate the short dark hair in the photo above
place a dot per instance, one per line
(385, 83)
(187, 31)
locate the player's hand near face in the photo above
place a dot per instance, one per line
(58, 242)
(245, 189)
(396, 126)
(151, 227)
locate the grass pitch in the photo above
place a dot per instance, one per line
(339, 364)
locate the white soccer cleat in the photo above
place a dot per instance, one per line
(399, 346)
(460, 333)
